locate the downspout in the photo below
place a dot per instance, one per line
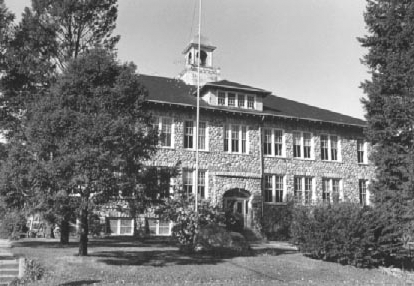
(261, 161)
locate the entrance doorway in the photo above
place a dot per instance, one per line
(237, 200)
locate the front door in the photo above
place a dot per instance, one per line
(237, 200)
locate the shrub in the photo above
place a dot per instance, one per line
(344, 233)
(277, 221)
(12, 225)
(33, 271)
(187, 221)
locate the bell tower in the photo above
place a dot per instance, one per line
(208, 73)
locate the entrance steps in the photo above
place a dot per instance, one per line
(9, 270)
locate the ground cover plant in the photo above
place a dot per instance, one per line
(131, 262)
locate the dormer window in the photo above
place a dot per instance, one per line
(250, 102)
(241, 100)
(221, 99)
(233, 99)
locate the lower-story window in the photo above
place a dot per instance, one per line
(363, 192)
(159, 227)
(121, 226)
(189, 182)
(273, 189)
(331, 190)
(303, 188)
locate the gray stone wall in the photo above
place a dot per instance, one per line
(227, 171)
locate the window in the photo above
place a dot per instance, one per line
(159, 182)
(189, 181)
(189, 135)
(233, 99)
(166, 127)
(363, 196)
(302, 145)
(250, 102)
(121, 226)
(273, 141)
(273, 188)
(235, 139)
(221, 100)
(159, 227)
(330, 190)
(330, 148)
(361, 151)
(240, 100)
(303, 188)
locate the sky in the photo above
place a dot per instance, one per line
(303, 50)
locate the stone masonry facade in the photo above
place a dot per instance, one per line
(226, 171)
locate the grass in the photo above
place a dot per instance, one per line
(131, 262)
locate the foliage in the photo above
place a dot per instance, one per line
(32, 55)
(33, 271)
(390, 114)
(277, 221)
(89, 135)
(343, 233)
(187, 221)
(12, 225)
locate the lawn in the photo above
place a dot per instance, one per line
(126, 261)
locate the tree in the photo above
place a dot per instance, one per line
(92, 131)
(35, 51)
(390, 113)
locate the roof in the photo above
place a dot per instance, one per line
(225, 84)
(175, 91)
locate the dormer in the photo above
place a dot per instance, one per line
(233, 95)
(207, 71)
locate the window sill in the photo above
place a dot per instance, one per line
(165, 147)
(194, 150)
(274, 156)
(275, 204)
(332, 161)
(304, 159)
(363, 164)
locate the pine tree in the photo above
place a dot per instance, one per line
(390, 114)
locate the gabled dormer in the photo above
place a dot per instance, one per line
(207, 71)
(233, 95)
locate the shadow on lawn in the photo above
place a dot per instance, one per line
(160, 258)
(80, 283)
(156, 258)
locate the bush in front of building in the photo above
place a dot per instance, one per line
(344, 233)
(277, 220)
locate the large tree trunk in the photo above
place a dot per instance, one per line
(83, 240)
(64, 231)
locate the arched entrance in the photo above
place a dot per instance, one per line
(237, 200)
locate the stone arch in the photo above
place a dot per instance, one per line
(237, 200)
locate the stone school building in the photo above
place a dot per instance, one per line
(256, 149)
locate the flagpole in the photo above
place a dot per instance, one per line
(198, 106)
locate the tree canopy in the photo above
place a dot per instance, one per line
(90, 133)
(390, 111)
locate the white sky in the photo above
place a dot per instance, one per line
(304, 50)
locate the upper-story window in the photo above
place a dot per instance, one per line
(189, 135)
(235, 139)
(273, 142)
(330, 148)
(302, 145)
(165, 126)
(233, 99)
(362, 151)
